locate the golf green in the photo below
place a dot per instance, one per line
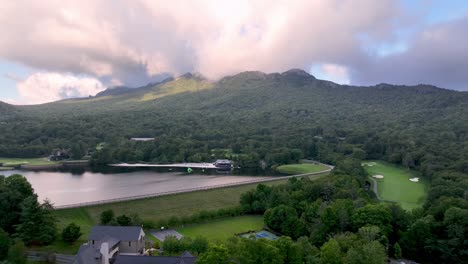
(396, 185)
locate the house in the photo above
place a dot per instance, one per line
(185, 258)
(223, 164)
(60, 154)
(107, 242)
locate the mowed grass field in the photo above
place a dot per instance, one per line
(301, 168)
(154, 209)
(222, 229)
(10, 162)
(396, 186)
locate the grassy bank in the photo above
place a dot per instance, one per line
(12, 162)
(154, 209)
(301, 168)
(395, 184)
(222, 229)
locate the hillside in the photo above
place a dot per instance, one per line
(258, 115)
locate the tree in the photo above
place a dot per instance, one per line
(20, 184)
(13, 191)
(71, 233)
(5, 243)
(199, 245)
(124, 220)
(330, 252)
(37, 223)
(310, 254)
(289, 251)
(171, 245)
(249, 252)
(368, 253)
(216, 254)
(373, 214)
(107, 217)
(17, 253)
(284, 219)
(397, 251)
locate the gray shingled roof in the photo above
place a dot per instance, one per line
(121, 233)
(128, 259)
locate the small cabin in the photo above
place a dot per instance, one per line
(60, 154)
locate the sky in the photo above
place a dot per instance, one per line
(54, 49)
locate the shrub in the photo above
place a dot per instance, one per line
(71, 233)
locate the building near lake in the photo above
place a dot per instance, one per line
(60, 154)
(223, 164)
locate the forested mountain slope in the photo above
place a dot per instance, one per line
(253, 113)
(256, 118)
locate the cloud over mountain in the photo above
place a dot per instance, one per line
(134, 42)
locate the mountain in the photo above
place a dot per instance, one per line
(255, 114)
(256, 118)
(7, 111)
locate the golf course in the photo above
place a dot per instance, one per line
(397, 184)
(12, 162)
(301, 168)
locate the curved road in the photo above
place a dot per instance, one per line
(376, 191)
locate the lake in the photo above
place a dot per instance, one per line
(65, 187)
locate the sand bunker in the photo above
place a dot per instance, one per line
(370, 164)
(414, 179)
(378, 176)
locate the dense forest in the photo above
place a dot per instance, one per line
(256, 118)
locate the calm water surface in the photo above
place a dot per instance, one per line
(71, 187)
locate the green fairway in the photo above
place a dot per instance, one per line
(301, 168)
(219, 230)
(395, 184)
(11, 162)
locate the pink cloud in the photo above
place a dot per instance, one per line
(50, 86)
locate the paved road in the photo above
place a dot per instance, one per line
(37, 256)
(376, 191)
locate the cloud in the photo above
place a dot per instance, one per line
(12, 77)
(50, 86)
(134, 41)
(337, 73)
(438, 55)
(10, 101)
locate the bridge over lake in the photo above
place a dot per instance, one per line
(204, 165)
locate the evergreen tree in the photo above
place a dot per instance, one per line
(71, 233)
(37, 223)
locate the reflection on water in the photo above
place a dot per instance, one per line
(80, 185)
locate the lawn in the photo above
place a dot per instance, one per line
(11, 162)
(396, 186)
(301, 168)
(220, 230)
(157, 208)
